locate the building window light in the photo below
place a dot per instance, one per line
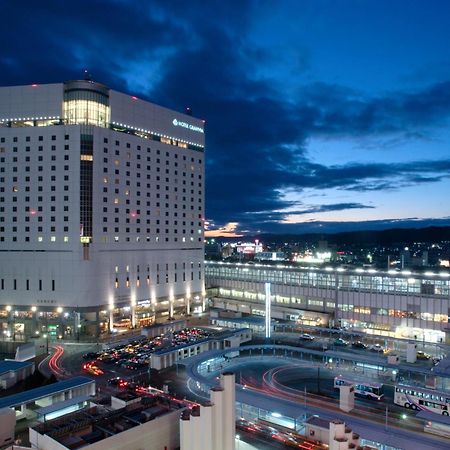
(86, 158)
(66, 238)
(53, 239)
(40, 239)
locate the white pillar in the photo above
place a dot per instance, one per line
(133, 315)
(206, 412)
(268, 321)
(186, 431)
(411, 352)
(197, 428)
(111, 318)
(217, 395)
(346, 397)
(227, 381)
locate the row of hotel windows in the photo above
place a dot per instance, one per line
(158, 279)
(106, 239)
(38, 159)
(27, 285)
(30, 123)
(28, 169)
(28, 149)
(116, 162)
(105, 141)
(126, 282)
(159, 267)
(28, 138)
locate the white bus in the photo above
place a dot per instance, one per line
(368, 389)
(420, 398)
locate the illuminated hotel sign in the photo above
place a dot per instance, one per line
(179, 123)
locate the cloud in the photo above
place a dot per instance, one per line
(257, 136)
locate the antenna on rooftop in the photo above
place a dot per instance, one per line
(87, 75)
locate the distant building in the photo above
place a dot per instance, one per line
(249, 248)
(270, 256)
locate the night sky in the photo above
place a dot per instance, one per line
(320, 115)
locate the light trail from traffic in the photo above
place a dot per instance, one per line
(53, 362)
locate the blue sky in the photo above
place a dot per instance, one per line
(321, 115)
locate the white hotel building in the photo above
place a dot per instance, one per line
(101, 209)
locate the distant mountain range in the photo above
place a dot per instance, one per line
(374, 237)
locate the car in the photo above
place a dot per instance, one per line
(377, 348)
(359, 345)
(117, 381)
(90, 355)
(339, 342)
(91, 368)
(306, 337)
(422, 356)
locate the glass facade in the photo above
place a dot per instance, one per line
(86, 107)
(86, 187)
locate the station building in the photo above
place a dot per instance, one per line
(393, 304)
(101, 210)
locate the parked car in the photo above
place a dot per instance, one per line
(306, 337)
(91, 355)
(359, 345)
(377, 348)
(423, 356)
(339, 342)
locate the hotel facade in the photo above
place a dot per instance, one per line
(101, 210)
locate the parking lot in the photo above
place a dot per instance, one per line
(135, 355)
